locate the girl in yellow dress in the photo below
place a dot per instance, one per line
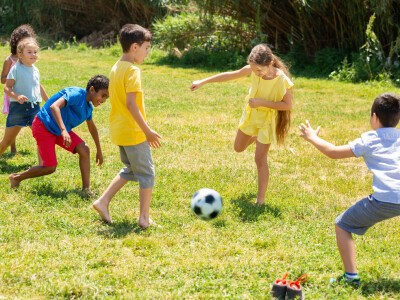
(266, 118)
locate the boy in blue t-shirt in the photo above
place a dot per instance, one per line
(380, 149)
(54, 123)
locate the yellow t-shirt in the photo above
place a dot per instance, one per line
(125, 78)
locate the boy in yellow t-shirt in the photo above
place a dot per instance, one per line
(128, 126)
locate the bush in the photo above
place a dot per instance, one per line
(185, 31)
(371, 63)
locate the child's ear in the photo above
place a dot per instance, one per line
(133, 47)
(92, 90)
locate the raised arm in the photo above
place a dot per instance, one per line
(152, 137)
(221, 77)
(326, 148)
(95, 135)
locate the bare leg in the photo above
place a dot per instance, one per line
(36, 171)
(102, 204)
(261, 156)
(347, 249)
(13, 147)
(84, 164)
(145, 199)
(9, 136)
(242, 141)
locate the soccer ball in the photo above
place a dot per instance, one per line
(206, 204)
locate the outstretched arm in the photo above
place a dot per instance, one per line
(326, 148)
(221, 77)
(95, 135)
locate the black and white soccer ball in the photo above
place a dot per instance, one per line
(206, 204)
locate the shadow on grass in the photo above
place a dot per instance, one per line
(49, 190)
(121, 229)
(6, 168)
(248, 212)
(381, 285)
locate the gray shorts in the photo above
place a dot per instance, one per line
(138, 164)
(366, 213)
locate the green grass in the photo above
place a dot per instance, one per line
(53, 245)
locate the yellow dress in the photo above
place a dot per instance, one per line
(261, 121)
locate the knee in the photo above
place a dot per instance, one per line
(238, 148)
(261, 160)
(83, 150)
(49, 170)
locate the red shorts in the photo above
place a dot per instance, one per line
(47, 142)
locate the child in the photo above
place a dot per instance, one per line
(266, 118)
(53, 125)
(380, 149)
(24, 88)
(128, 126)
(17, 35)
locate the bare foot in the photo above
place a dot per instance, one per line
(144, 224)
(14, 182)
(87, 193)
(259, 203)
(102, 209)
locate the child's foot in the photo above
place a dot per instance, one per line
(144, 224)
(87, 193)
(14, 182)
(102, 209)
(259, 202)
(355, 282)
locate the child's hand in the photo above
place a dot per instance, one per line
(307, 132)
(196, 85)
(99, 158)
(66, 138)
(21, 99)
(152, 138)
(254, 102)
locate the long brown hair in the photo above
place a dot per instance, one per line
(262, 55)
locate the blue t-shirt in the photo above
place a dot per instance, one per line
(75, 112)
(381, 152)
(27, 82)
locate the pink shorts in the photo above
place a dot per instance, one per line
(47, 142)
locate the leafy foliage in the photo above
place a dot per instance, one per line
(213, 33)
(370, 63)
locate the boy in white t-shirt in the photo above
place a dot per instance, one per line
(380, 149)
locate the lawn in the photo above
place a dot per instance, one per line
(53, 244)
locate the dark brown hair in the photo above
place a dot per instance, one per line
(387, 109)
(133, 33)
(18, 34)
(262, 55)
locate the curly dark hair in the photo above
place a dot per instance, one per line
(99, 82)
(18, 34)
